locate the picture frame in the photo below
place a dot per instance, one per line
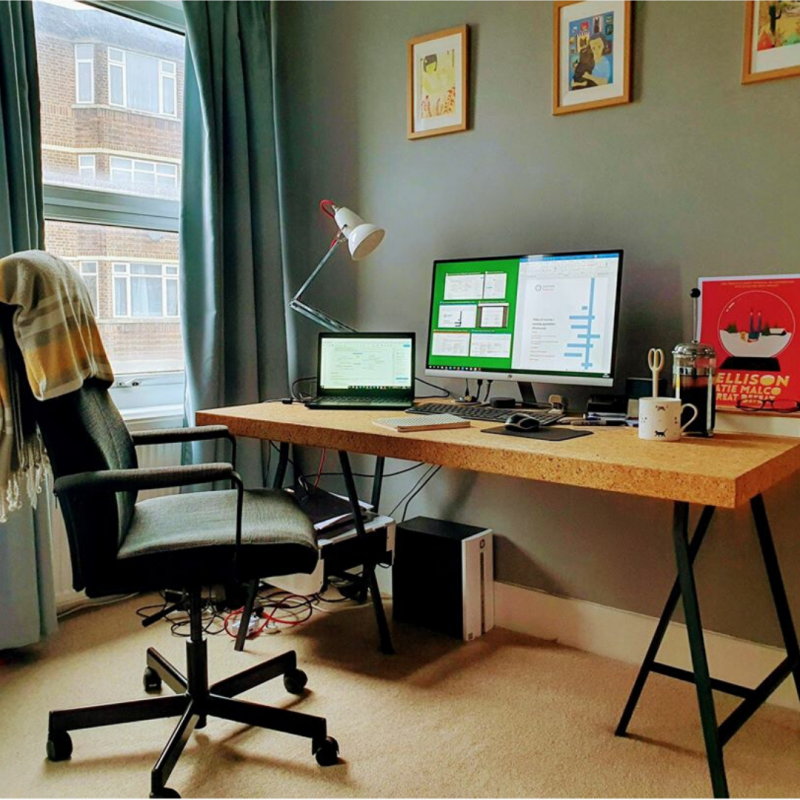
(771, 41)
(591, 54)
(438, 82)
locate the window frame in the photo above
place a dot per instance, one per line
(133, 170)
(92, 206)
(123, 65)
(92, 168)
(127, 275)
(78, 62)
(161, 76)
(96, 276)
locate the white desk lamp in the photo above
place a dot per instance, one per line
(362, 238)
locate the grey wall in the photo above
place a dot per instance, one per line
(698, 176)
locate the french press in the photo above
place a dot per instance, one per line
(694, 369)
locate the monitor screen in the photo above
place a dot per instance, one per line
(354, 361)
(550, 318)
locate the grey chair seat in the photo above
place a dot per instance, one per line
(184, 539)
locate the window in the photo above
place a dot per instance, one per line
(88, 270)
(87, 168)
(84, 54)
(145, 290)
(142, 175)
(142, 82)
(84, 73)
(111, 179)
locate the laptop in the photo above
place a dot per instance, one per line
(365, 370)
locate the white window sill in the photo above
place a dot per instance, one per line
(142, 419)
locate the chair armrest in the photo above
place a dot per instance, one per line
(169, 435)
(194, 434)
(127, 480)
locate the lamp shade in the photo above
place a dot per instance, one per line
(362, 237)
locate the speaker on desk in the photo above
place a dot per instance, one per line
(443, 577)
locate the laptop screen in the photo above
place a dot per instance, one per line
(366, 362)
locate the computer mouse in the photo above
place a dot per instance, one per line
(522, 423)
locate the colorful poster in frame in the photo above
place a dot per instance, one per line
(437, 83)
(591, 55)
(751, 321)
(771, 41)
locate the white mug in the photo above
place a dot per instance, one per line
(660, 418)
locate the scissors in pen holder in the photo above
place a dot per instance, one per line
(655, 360)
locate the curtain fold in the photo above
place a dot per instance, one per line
(27, 593)
(232, 299)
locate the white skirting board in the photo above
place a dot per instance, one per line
(625, 636)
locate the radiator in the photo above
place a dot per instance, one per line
(157, 455)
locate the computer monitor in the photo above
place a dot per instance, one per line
(545, 318)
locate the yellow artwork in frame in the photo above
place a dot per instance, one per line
(438, 83)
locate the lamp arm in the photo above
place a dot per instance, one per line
(320, 317)
(339, 239)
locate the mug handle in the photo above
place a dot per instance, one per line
(693, 418)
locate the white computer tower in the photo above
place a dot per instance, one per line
(443, 577)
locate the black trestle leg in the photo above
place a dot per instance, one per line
(694, 628)
(369, 563)
(280, 469)
(663, 624)
(247, 612)
(717, 736)
(777, 588)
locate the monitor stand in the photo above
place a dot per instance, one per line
(528, 395)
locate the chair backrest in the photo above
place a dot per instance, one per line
(84, 432)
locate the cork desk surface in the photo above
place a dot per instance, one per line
(725, 471)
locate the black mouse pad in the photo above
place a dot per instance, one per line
(549, 434)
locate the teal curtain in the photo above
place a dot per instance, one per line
(232, 295)
(27, 595)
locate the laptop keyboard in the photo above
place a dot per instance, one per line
(362, 401)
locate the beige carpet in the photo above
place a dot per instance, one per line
(505, 716)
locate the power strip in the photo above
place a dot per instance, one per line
(255, 621)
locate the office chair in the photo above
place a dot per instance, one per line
(180, 541)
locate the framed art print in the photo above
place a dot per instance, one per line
(437, 83)
(771, 40)
(591, 55)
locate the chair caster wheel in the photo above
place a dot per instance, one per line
(165, 792)
(327, 752)
(295, 681)
(59, 746)
(151, 680)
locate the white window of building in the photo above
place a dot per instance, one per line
(145, 290)
(137, 172)
(142, 83)
(84, 73)
(88, 271)
(87, 168)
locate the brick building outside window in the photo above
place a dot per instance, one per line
(112, 107)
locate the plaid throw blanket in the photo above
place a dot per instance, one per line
(46, 308)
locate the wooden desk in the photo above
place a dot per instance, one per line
(726, 471)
